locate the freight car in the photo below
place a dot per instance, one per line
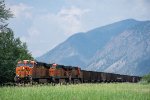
(31, 71)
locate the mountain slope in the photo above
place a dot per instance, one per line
(127, 53)
(121, 47)
(80, 48)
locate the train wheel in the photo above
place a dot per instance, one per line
(62, 82)
(76, 81)
(30, 80)
(53, 81)
(17, 80)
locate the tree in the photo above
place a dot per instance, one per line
(146, 78)
(5, 14)
(11, 48)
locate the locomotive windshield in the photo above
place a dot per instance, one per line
(22, 64)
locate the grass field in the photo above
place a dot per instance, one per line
(112, 91)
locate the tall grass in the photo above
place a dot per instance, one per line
(112, 91)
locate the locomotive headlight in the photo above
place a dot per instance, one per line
(23, 68)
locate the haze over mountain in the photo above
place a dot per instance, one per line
(122, 47)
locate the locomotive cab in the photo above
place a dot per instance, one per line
(24, 71)
(52, 70)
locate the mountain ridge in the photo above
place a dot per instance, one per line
(81, 49)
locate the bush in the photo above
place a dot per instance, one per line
(146, 78)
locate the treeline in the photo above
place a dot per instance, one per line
(11, 48)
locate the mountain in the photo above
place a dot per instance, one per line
(121, 47)
(127, 53)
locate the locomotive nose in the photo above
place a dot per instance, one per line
(22, 71)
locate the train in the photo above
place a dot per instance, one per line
(29, 71)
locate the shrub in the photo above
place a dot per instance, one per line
(146, 78)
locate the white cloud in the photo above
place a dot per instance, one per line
(21, 10)
(70, 19)
(48, 30)
(32, 39)
(32, 33)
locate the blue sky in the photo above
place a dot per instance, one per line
(43, 24)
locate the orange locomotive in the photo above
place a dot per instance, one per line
(67, 74)
(31, 71)
(24, 71)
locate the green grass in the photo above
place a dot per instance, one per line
(112, 91)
